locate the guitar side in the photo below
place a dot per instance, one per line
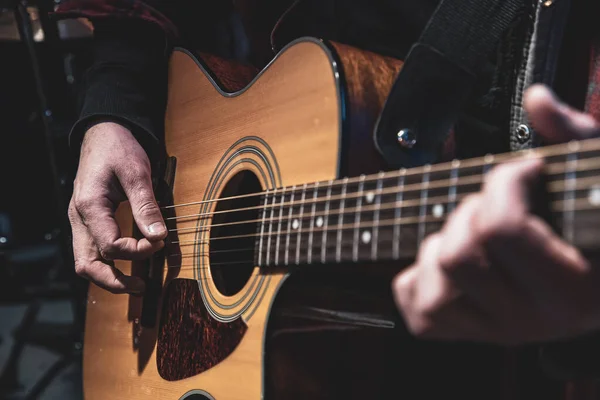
(286, 129)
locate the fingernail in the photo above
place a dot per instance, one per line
(157, 227)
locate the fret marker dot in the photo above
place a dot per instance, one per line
(370, 197)
(366, 237)
(594, 196)
(319, 222)
(438, 210)
(295, 224)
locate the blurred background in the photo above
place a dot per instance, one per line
(41, 300)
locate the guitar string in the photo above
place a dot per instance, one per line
(385, 224)
(389, 222)
(388, 205)
(328, 247)
(438, 184)
(189, 267)
(427, 221)
(581, 185)
(582, 147)
(303, 261)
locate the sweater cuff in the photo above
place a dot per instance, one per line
(126, 83)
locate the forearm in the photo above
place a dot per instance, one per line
(126, 82)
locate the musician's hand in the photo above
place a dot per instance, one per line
(113, 167)
(497, 273)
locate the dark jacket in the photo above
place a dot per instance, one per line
(133, 40)
(553, 42)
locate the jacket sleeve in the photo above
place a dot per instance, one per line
(127, 79)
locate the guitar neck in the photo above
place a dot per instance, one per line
(387, 216)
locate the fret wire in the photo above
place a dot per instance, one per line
(488, 161)
(357, 218)
(569, 196)
(326, 222)
(452, 189)
(268, 258)
(279, 229)
(262, 228)
(374, 243)
(398, 215)
(289, 230)
(300, 224)
(312, 225)
(423, 208)
(338, 249)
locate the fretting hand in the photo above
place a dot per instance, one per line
(497, 273)
(113, 167)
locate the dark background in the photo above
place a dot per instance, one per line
(41, 300)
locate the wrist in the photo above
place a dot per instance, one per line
(105, 126)
(104, 130)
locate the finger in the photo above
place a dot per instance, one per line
(457, 320)
(98, 216)
(507, 192)
(89, 266)
(137, 184)
(552, 274)
(524, 247)
(461, 244)
(488, 288)
(425, 295)
(556, 121)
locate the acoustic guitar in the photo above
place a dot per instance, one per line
(274, 179)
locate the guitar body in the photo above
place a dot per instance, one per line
(286, 129)
(213, 326)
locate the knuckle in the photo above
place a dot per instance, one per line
(500, 173)
(430, 241)
(137, 172)
(81, 269)
(470, 201)
(147, 208)
(72, 211)
(429, 245)
(465, 211)
(421, 327)
(83, 202)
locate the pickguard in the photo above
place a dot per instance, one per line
(190, 341)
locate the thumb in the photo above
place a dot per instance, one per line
(144, 208)
(556, 121)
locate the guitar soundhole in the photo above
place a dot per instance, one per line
(232, 240)
(197, 396)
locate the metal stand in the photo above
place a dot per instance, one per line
(63, 339)
(26, 32)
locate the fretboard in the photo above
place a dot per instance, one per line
(387, 216)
